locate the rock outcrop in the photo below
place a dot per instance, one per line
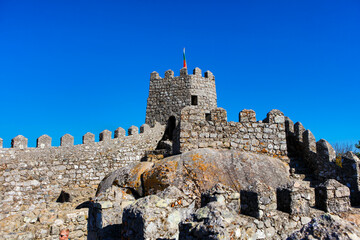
(327, 227)
(199, 170)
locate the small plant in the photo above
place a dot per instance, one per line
(342, 148)
(357, 145)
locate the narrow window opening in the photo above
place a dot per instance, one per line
(194, 100)
(208, 116)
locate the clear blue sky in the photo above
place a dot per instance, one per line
(84, 66)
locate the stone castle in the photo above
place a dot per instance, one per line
(181, 115)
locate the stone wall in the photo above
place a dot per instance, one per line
(322, 160)
(168, 95)
(33, 177)
(199, 129)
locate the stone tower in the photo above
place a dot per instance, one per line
(168, 95)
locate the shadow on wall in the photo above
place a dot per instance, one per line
(94, 226)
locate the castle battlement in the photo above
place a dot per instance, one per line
(44, 141)
(181, 115)
(202, 129)
(183, 72)
(168, 95)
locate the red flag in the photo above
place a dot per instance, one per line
(184, 59)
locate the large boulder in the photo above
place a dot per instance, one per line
(128, 177)
(199, 170)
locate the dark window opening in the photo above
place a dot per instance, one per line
(208, 116)
(249, 203)
(169, 131)
(194, 100)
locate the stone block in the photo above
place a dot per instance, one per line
(325, 151)
(144, 128)
(247, 116)
(289, 126)
(88, 138)
(275, 116)
(197, 71)
(219, 115)
(119, 132)
(67, 140)
(1, 142)
(209, 74)
(169, 74)
(294, 199)
(309, 141)
(332, 197)
(154, 75)
(133, 130)
(19, 142)
(43, 141)
(105, 136)
(257, 200)
(183, 72)
(299, 130)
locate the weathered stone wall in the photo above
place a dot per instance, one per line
(30, 178)
(321, 158)
(168, 95)
(199, 129)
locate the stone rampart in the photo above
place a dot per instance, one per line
(321, 158)
(31, 176)
(168, 95)
(199, 129)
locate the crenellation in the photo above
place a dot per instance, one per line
(169, 74)
(289, 127)
(219, 115)
(19, 142)
(326, 152)
(43, 141)
(182, 115)
(169, 95)
(247, 115)
(144, 128)
(119, 132)
(105, 136)
(133, 130)
(67, 141)
(309, 141)
(299, 130)
(198, 130)
(183, 71)
(197, 71)
(154, 75)
(88, 138)
(275, 116)
(209, 75)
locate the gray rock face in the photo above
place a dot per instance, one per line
(327, 227)
(216, 221)
(157, 216)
